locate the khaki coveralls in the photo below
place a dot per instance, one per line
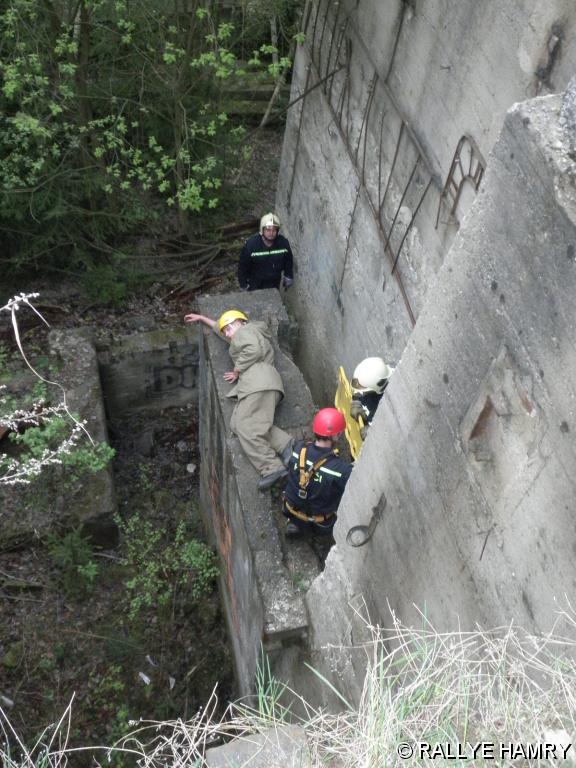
(259, 389)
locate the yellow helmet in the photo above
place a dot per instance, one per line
(229, 316)
(269, 220)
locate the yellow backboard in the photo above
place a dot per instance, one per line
(342, 402)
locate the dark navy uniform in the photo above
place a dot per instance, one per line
(261, 266)
(317, 512)
(368, 404)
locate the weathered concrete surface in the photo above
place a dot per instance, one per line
(30, 510)
(262, 604)
(284, 747)
(367, 153)
(150, 371)
(473, 444)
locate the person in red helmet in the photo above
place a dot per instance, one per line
(317, 477)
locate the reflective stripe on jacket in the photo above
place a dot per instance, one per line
(325, 488)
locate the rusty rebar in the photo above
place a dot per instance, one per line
(409, 227)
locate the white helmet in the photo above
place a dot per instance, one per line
(269, 220)
(371, 375)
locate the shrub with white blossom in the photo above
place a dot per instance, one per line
(42, 434)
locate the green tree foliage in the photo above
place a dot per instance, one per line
(72, 554)
(111, 114)
(257, 18)
(162, 568)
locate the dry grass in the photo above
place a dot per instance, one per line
(500, 686)
(453, 688)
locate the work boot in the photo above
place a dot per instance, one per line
(292, 531)
(267, 481)
(286, 454)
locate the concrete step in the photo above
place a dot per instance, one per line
(284, 747)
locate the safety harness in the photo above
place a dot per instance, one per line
(304, 480)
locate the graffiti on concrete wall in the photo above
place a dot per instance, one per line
(167, 378)
(178, 371)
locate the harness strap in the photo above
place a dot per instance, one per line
(306, 475)
(307, 518)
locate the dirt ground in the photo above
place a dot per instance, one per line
(61, 640)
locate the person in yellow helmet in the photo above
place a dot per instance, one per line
(258, 389)
(266, 258)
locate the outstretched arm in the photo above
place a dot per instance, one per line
(194, 318)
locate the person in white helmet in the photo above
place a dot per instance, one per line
(369, 381)
(266, 259)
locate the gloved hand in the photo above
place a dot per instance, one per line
(356, 409)
(287, 281)
(364, 432)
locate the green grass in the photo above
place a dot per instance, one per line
(499, 686)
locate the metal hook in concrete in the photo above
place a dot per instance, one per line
(359, 535)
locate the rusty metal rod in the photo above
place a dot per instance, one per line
(337, 58)
(312, 88)
(380, 158)
(373, 209)
(402, 198)
(409, 227)
(348, 238)
(322, 40)
(402, 124)
(306, 17)
(333, 37)
(373, 91)
(313, 42)
(298, 136)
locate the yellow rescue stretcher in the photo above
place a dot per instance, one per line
(342, 402)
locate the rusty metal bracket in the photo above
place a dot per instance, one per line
(461, 173)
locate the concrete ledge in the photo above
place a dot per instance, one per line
(262, 604)
(285, 747)
(26, 511)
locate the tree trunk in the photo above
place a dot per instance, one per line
(82, 34)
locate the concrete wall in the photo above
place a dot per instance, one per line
(150, 371)
(368, 152)
(263, 606)
(472, 446)
(29, 510)
(418, 240)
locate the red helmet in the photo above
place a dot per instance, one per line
(328, 422)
